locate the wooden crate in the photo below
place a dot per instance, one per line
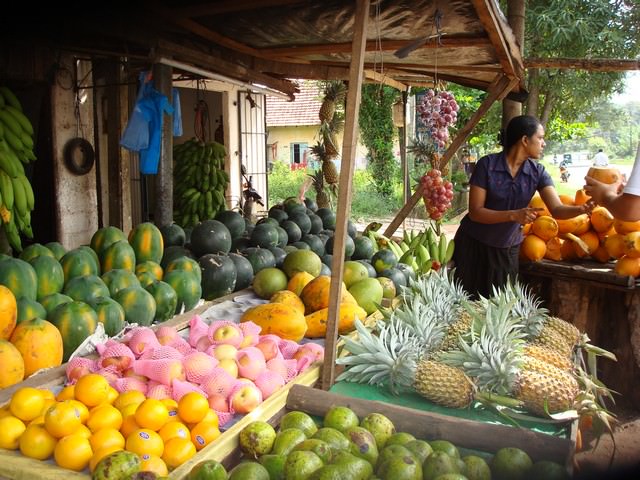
(15, 466)
(468, 434)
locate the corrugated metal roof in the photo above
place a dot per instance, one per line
(302, 111)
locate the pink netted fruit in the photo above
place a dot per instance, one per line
(288, 348)
(197, 328)
(181, 345)
(79, 367)
(162, 352)
(126, 384)
(179, 388)
(198, 366)
(165, 335)
(313, 350)
(111, 373)
(115, 353)
(203, 344)
(288, 369)
(224, 418)
(218, 402)
(269, 345)
(161, 371)
(158, 391)
(251, 362)
(140, 339)
(219, 382)
(244, 397)
(268, 382)
(304, 362)
(225, 331)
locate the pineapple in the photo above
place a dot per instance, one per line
(547, 355)
(497, 362)
(333, 91)
(443, 384)
(329, 170)
(322, 199)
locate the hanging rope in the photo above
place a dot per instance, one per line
(202, 121)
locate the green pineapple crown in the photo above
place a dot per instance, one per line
(493, 356)
(526, 308)
(421, 321)
(334, 90)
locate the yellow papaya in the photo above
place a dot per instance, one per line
(315, 295)
(277, 318)
(289, 298)
(317, 321)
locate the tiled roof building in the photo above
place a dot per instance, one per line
(302, 111)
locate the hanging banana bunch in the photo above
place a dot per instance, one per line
(16, 148)
(199, 181)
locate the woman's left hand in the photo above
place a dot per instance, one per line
(588, 206)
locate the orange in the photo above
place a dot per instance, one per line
(37, 443)
(48, 402)
(62, 419)
(152, 463)
(83, 431)
(39, 420)
(204, 433)
(5, 412)
(100, 454)
(10, 430)
(152, 414)
(615, 245)
(92, 389)
(545, 227)
(625, 265)
(174, 429)
(26, 403)
(533, 247)
(601, 219)
(127, 398)
(47, 394)
(67, 393)
(82, 408)
(106, 437)
(73, 452)
(211, 416)
(145, 441)
(104, 416)
(129, 425)
(112, 394)
(192, 407)
(177, 451)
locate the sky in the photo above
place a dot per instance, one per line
(632, 89)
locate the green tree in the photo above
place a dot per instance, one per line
(377, 133)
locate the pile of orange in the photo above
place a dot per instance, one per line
(599, 236)
(89, 420)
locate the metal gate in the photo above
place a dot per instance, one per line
(253, 140)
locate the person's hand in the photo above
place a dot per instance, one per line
(588, 206)
(598, 191)
(526, 215)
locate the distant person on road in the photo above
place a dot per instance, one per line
(623, 201)
(502, 186)
(601, 159)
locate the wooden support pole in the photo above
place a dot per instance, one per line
(497, 91)
(356, 71)
(163, 213)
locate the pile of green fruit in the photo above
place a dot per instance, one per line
(199, 181)
(16, 148)
(347, 448)
(121, 465)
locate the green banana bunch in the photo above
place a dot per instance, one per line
(16, 148)
(425, 251)
(199, 181)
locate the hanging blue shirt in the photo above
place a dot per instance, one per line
(143, 132)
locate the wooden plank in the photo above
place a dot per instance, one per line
(603, 274)
(163, 214)
(347, 167)
(499, 87)
(215, 8)
(385, 79)
(589, 64)
(430, 426)
(228, 442)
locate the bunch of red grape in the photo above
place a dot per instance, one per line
(438, 111)
(437, 193)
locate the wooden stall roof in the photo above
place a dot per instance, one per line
(266, 42)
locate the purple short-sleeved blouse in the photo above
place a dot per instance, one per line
(504, 192)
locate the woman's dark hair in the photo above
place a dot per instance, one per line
(518, 127)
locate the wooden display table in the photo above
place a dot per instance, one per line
(605, 306)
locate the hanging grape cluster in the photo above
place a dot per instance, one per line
(437, 193)
(438, 111)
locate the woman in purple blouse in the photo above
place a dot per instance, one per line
(502, 185)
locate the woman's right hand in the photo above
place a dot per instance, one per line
(525, 215)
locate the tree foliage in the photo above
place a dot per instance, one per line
(377, 133)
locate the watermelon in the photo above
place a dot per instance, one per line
(147, 242)
(50, 275)
(105, 236)
(166, 300)
(75, 321)
(118, 278)
(187, 287)
(173, 235)
(218, 275)
(139, 305)
(210, 236)
(110, 313)
(86, 288)
(19, 277)
(119, 254)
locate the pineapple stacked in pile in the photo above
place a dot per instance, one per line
(454, 351)
(331, 124)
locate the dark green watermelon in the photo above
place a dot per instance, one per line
(363, 248)
(218, 275)
(370, 269)
(239, 244)
(409, 273)
(349, 246)
(279, 255)
(311, 204)
(300, 245)
(314, 242)
(233, 221)
(244, 271)
(325, 269)
(292, 206)
(173, 235)
(294, 233)
(264, 235)
(352, 230)
(278, 213)
(316, 223)
(283, 236)
(210, 236)
(327, 258)
(259, 258)
(302, 220)
(173, 252)
(398, 278)
(166, 300)
(384, 259)
(271, 220)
